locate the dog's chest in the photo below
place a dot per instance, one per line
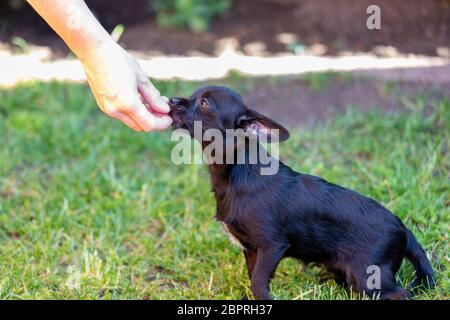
(231, 236)
(227, 209)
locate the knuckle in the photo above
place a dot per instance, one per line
(127, 108)
(111, 111)
(109, 108)
(147, 125)
(145, 80)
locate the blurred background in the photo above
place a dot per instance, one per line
(192, 27)
(92, 210)
(201, 40)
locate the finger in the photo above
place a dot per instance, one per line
(153, 98)
(148, 121)
(127, 120)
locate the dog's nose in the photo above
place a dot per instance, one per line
(174, 101)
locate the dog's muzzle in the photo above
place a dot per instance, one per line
(177, 113)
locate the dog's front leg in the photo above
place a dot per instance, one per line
(250, 260)
(266, 263)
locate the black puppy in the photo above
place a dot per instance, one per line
(290, 214)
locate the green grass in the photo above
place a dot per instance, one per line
(90, 209)
(318, 81)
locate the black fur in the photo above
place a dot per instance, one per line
(290, 214)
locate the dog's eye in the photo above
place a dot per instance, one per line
(203, 102)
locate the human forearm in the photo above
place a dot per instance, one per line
(74, 23)
(120, 86)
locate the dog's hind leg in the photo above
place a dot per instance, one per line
(397, 294)
(267, 260)
(381, 284)
(390, 289)
(339, 277)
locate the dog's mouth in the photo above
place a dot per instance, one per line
(178, 115)
(179, 112)
(176, 120)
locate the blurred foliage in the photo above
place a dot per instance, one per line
(193, 14)
(6, 5)
(14, 4)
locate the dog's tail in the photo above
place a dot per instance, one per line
(418, 258)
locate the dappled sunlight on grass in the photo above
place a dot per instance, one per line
(26, 67)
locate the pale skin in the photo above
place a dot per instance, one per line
(120, 86)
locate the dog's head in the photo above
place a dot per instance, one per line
(217, 107)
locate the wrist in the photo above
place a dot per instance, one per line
(95, 47)
(89, 37)
(98, 51)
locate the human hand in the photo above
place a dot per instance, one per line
(122, 89)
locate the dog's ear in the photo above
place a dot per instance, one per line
(259, 125)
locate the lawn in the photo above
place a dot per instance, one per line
(90, 209)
